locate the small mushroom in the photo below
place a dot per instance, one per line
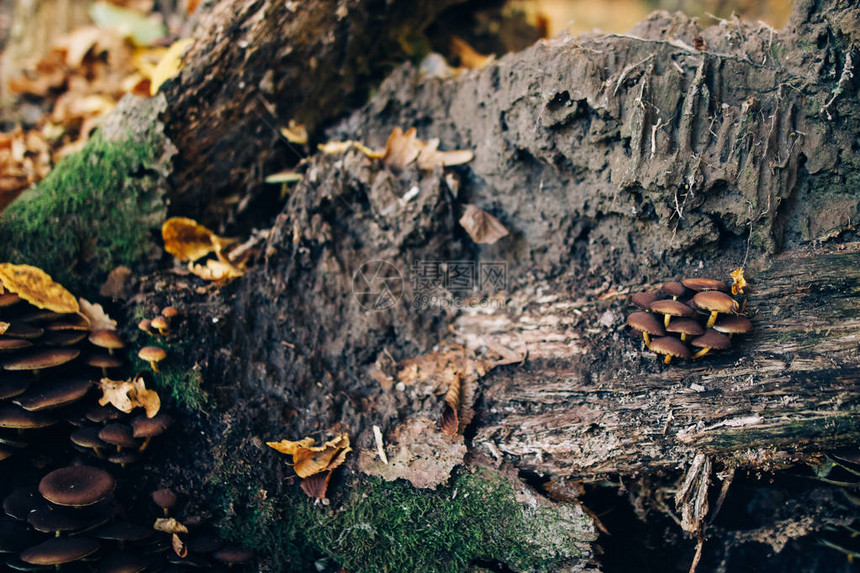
(710, 340)
(104, 361)
(153, 355)
(701, 284)
(673, 289)
(148, 428)
(670, 347)
(685, 327)
(733, 325)
(644, 299)
(715, 302)
(60, 550)
(107, 339)
(119, 435)
(233, 556)
(88, 438)
(670, 308)
(646, 324)
(170, 312)
(145, 325)
(161, 324)
(165, 499)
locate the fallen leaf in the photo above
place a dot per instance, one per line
(179, 546)
(309, 459)
(38, 288)
(450, 420)
(188, 240)
(401, 149)
(126, 395)
(739, 281)
(469, 57)
(215, 270)
(481, 226)
(335, 147)
(295, 133)
(4, 326)
(418, 453)
(98, 318)
(169, 525)
(286, 176)
(170, 64)
(430, 157)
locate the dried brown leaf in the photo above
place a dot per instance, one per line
(481, 226)
(295, 133)
(169, 525)
(309, 459)
(450, 420)
(401, 149)
(469, 57)
(187, 240)
(126, 395)
(96, 315)
(215, 270)
(179, 546)
(430, 157)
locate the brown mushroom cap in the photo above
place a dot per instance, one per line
(643, 299)
(12, 344)
(170, 312)
(75, 322)
(64, 337)
(144, 325)
(712, 339)
(99, 414)
(13, 386)
(107, 339)
(104, 361)
(12, 416)
(43, 358)
(21, 502)
(118, 435)
(674, 289)
(88, 437)
(123, 562)
(123, 457)
(152, 354)
(144, 427)
(77, 486)
(733, 325)
(24, 330)
(159, 323)
(54, 395)
(49, 519)
(60, 550)
(687, 326)
(233, 555)
(701, 284)
(8, 299)
(716, 301)
(672, 308)
(164, 498)
(671, 346)
(646, 322)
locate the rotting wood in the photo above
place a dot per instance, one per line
(587, 405)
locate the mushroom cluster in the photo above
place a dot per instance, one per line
(73, 516)
(688, 318)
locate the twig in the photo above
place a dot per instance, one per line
(847, 74)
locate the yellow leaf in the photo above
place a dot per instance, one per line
(469, 57)
(126, 395)
(401, 149)
(335, 147)
(187, 240)
(170, 64)
(309, 459)
(739, 281)
(37, 287)
(215, 270)
(295, 133)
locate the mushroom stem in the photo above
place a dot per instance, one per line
(666, 318)
(701, 353)
(154, 366)
(712, 319)
(683, 337)
(668, 359)
(145, 444)
(647, 338)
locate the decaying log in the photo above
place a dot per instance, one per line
(591, 401)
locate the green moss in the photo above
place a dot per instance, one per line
(97, 208)
(182, 384)
(392, 527)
